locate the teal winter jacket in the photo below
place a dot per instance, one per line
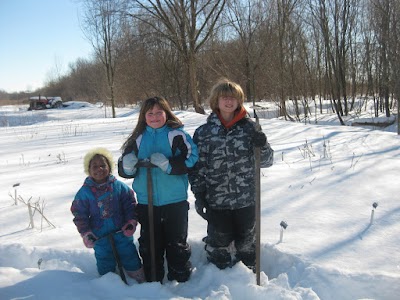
(170, 186)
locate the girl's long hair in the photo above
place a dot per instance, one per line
(172, 120)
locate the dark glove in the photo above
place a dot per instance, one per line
(259, 139)
(200, 204)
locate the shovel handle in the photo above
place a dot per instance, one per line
(145, 163)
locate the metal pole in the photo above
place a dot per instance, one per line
(15, 192)
(258, 203)
(374, 206)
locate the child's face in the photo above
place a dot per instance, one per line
(227, 105)
(99, 169)
(156, 117)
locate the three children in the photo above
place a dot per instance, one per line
(222, 176)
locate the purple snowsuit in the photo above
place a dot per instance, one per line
(103, 209)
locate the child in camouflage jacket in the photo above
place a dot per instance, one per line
(223, 179)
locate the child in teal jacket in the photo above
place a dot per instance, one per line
(160, 139)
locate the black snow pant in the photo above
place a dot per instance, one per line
(225, 227)
(170, 235)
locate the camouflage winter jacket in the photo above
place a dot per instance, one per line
(225, 171)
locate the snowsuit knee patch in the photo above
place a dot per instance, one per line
(219, 257)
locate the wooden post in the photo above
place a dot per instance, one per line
(151, 224)
(30, 215)
(257, 157)
(150, 210)
(117, 257)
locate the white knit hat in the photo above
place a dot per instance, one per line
(100, 151)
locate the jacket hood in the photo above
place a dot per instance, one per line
(101, 151)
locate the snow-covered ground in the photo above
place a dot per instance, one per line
(323, 185)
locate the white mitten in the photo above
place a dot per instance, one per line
(160, 161)
(129, 162)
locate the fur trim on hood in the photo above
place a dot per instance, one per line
(101, 151)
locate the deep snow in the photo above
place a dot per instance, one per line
(323, 183)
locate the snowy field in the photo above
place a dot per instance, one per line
(323, 184)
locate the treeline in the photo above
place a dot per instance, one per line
(278, 50)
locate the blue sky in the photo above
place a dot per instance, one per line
(39, 39)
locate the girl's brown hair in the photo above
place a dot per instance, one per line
(225, 88)
(172, 120)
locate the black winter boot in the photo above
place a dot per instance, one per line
(180, 275)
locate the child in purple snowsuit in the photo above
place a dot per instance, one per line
(104, 205)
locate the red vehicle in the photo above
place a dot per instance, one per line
(42, 102)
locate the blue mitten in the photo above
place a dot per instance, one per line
(129, 162)
(160, 161)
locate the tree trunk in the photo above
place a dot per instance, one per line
(193, 84)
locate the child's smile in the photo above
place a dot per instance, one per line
(99, 169)
(156, 117)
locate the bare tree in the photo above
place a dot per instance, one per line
(368, 50)
(103, 26)
(187, 24)
(277, 49)
(336, 19)
(396, 58)
(284, 8)
(86, 80)
(385, 22)
(246, 18)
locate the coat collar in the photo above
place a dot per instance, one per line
(156, 130)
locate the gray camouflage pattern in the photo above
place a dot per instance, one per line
(226, 168)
